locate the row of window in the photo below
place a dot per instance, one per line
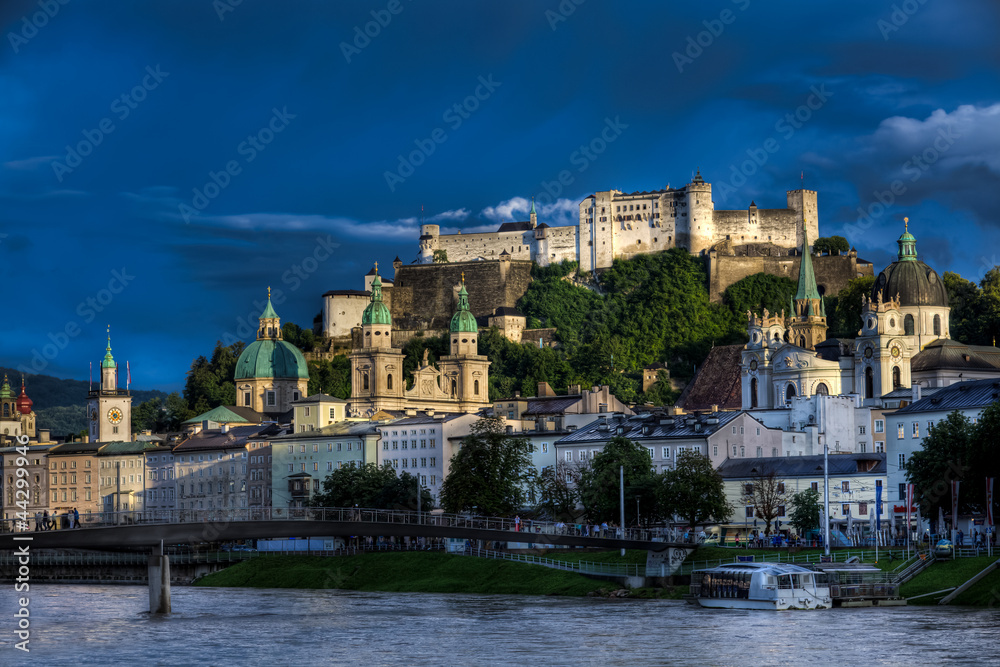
(405, 443)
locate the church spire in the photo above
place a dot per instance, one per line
(533, 217)
(270, 323)
(108, 361)
(907, 244)
(807, 275)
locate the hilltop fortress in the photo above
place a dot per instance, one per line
(617, 225)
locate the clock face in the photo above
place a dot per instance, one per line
(895, 351)
(753, 364)
(115, 415)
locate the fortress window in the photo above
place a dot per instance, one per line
(388, 381)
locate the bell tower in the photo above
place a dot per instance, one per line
(109, 409)
(465, 373)
(377, 381)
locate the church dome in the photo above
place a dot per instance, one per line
(23, 402)
(463, 320)
(376, 312)
(269, 358)
(916, 283)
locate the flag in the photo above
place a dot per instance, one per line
(989, 501)
(940, 519)
(954, 505)
(128, 375)
(878, 508)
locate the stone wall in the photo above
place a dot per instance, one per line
(425, 296)
(832, 271)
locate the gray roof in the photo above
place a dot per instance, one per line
(338, 429)
(423, 419)
(958, 396)
(316, 398)
(805, 466)
(680, 426)
(521, 226)
(944, 353)
(548, 405)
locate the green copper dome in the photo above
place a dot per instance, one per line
(5, 391)
(376, 312)
(268, 313)
(916, 283)
(463, 320)
(271, 359)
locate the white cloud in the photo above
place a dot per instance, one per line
(31, 163)
(560, 212)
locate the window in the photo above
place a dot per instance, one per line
(246, 398)
(569, 456)
(902, 461)
(271, 398)
(315, 448)
(937, 325)
(879, 446)
(899, 430)
(760, 452)
(749, 512)
(845, 486)
(908, 325)
(869, 382)
(743, 451)
(291, 449)
(879, 426)
(748, 489)
(315, 466)
(758, 430)
(862, 447)
(929, 425)
(781, 510)
(307, 411)
(845, 508)
(734, 449)
(902, 492)
(715, 450)
(433, 461)
(545, 448)
(814, 486)
(916, 430)
(291, 467)
(583, 455)
(652, 455)
(666, 453)
(822, 389)
(333, 413)
(388, 381)
(861, 430)
(896, 382)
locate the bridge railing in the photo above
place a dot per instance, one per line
(522, 530)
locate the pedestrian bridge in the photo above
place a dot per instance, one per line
(132, 530)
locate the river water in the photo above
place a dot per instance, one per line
(106, 625)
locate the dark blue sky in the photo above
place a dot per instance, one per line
(309, 118)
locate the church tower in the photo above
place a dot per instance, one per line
(465, 372)
(109, 408)
(807, 325)
(377, 381)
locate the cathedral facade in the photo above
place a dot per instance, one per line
(460, 383)
(903, 340)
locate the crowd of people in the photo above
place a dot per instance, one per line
(46, 521)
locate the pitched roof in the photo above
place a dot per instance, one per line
(950, 354)
(211, 440)
(651, 427)
(958, 396)
(523, 226)
(508, 311)
(124, 448)
(805, 466)
(717, 382)
(75, 448)
(547, 405)
(220, 415)
(318, 398)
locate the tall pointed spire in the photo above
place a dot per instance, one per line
(109, 361)
(532, 216)
(807, 275)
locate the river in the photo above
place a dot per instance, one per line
(106, 625)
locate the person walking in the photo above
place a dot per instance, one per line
(76, 518)
(45, 520)
(517, 524)
(38, 520)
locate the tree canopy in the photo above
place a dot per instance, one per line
(210, 382)
(491, 472)
(694, 491)
(833, 245)
(844, 320)
(372, 487)
(760, 291)
(599, 484)
(765, 491)
(805, 511)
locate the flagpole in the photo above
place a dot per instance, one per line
(826, 499)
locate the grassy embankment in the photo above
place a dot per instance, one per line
(424, 572)
(952, 573)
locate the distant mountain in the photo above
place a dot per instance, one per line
(60, 404)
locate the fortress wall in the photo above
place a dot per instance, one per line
(832, 271)
(467, 247)
(425, 296)
(558, 244)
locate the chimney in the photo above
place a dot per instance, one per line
(574, 390)
(715, 407)
(916, 392)
(430, 413)
(544, 390)
(44, 435)
(224, 428)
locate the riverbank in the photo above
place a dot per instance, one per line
(946, 574)
(415, 572)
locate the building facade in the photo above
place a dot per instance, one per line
(108, 407)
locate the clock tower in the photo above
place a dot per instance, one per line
(109, 409)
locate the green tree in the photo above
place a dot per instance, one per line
(331, 377)
(759, 292)
(946, 456)
(983, 459)
(599, 484)
(805, 511)
(211, 382)
(177, 412)
(304, 339)
(490, 472)
(963, 297)
(556, 492)
(440, 256)
(765, 492)
(987, 329)
(149, 415)
(845, 321)
(694, 491)
(372, 487)
(833, 245)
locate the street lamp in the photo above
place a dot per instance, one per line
(637, 524)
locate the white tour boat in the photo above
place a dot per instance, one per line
(761, 586)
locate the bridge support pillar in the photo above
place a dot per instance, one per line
(159, 582)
